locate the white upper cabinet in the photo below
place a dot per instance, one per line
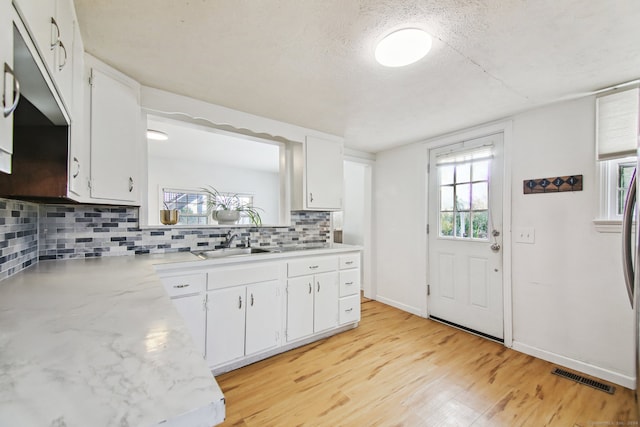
(50, 23)
(79, 137)
(8, 97)
(317, 175)
(116, 135)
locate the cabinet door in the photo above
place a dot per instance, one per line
(299, 307)
(192, 310)
(325, 313)
(37, 16)
(225, 325)
(263, 317)
(6, 62)
(63, 52)
(79, 142)
(324, 174)
(115, 135)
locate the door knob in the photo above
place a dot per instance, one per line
(495, 247)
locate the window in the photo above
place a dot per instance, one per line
(464, 195)
(615, 179)
(192, 206)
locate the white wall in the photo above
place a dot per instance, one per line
(399, 228)
(173, 173)
(569, 302)
(353, 206)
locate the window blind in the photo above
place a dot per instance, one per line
(617, 116)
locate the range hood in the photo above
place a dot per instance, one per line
(40, 134)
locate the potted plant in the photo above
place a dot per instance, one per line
(226, 208)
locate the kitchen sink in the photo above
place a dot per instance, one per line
(220, 253)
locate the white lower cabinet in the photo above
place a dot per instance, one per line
(312, 300)
(186, 293)
(238, 313)
(241, 321)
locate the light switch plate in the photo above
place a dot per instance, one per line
(524, 235)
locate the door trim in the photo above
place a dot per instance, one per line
(506, 128)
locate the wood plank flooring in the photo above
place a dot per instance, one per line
(397, 369)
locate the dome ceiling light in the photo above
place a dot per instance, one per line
(156, 135)
(403, 47)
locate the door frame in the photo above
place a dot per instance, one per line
(506, 128)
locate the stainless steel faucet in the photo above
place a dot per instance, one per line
(229, 239)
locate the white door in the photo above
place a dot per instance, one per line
(299, 307)
(225, 324)
(465, 235)
(263, 317)
(326, 308)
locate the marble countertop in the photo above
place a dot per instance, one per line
(191, 261)
(97, 342)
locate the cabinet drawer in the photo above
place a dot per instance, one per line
(184, 284)
(349, 282)
(225, 277)
(350, 309)
(312, 266)
(349, 261)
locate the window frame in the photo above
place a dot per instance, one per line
(609, 221)
(209, 221)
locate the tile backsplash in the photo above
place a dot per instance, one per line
(19, 230)
(35, 232)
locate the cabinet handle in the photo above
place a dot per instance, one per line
(349, 262)
(130, 184)
(16, 89)
(239, 302)
(313, 267)
(318, 286)
(348, 310)
(310, 288)
(64, 49)
(55, 40)
(77, 163)
(186, 285)
(348, 283)
(252, 300)
(311, 197)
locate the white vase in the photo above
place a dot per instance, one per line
(226, 217)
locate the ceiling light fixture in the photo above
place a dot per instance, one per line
(403, 47)
(157, 135)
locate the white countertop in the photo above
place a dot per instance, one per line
(97, 342)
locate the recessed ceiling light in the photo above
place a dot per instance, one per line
(403, 47)
(157, 135)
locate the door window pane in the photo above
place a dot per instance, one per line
(480, 225)
(446, 223)
(464, 198)
(463, 172)
(480, 195)
(446, 198)
(462, 224)
(446, 174)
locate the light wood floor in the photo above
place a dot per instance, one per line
(397, 369)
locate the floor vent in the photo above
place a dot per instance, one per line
(586, 381)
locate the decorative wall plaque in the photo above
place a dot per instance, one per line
(556, 184)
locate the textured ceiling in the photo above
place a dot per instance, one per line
(310, 62)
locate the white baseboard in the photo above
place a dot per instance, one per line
(586, 368)
(400, 306)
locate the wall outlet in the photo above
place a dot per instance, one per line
(524, 235)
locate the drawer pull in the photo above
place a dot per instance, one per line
(348, 283)
(313, 267)
(349, 262)
(349, 310)
(186, 285)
